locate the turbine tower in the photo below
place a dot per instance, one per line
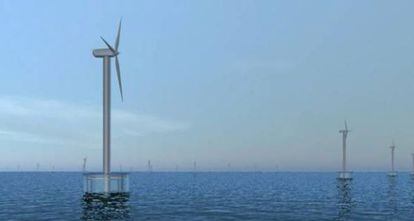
(106, 54)
(392, 173)
(344, 174)
(412, 173)
(84, 164)
(149, 166)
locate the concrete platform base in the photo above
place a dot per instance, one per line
(392, 174)
(345, 175)
(101, 183)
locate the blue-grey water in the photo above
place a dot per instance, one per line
(212, 196)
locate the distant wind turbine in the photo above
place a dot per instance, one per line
(149, 166)
(84, 164)
(392, 173)
(344, 174)
(412, 173)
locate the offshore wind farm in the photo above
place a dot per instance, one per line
(225, 110)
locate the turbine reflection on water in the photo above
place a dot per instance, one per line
(97, 206)
(392, 195)
(345, 202)
(412, 188)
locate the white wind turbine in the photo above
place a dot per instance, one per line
(344, 174)
(109, 184)
(84, 164)
(392, 173)
(412, 173)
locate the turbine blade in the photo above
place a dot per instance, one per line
(346, 126)
(118, 35)
(109, 46)
(118, 73)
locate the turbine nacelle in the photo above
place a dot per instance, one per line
(392, 147)
(345, 131)
(104, 52)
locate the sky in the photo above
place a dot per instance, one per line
(233, 85)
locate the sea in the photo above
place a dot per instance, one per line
(211, 196)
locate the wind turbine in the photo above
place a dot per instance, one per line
(149, 166)
(344, 174)
(106, 54)
(392, 173)
(412, 173)
(84, 164)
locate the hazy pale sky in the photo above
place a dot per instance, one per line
(250, 83)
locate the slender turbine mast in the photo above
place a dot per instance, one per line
(149, 166)
(412, 155)
(344, 136)
(107, 54)
(84, 164)
(392, 147)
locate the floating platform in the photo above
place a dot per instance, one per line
(101, 183)
(392, 174)
(344, 175)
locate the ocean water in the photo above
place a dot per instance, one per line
(211, 196)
